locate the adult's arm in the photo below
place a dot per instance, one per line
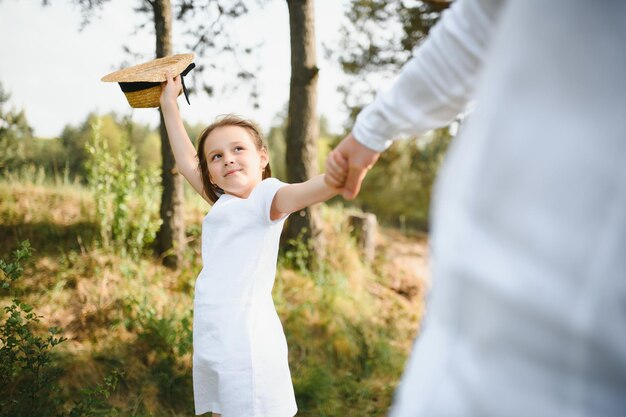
(438, 82)
(432, 88)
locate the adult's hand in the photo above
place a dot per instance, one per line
(352, 158)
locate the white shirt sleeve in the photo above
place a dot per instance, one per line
(438, 82)
(263, 195)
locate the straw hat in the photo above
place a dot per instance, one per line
(142, 83)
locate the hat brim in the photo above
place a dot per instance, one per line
(151, 71)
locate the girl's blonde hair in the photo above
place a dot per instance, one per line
(211, 190)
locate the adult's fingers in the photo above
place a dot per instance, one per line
(340, 160)
(336, 162)
(331, 182)
(353, 182)
(334, 179)
(336, 168)
(333, 174)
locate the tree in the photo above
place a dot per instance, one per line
(278, 144)
(378, 38)
(302, 124)
(15, 133)
(170, 238)
(209, 19)
(75, 138)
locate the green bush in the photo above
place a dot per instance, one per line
(345, 364)
(164, 341)
(398, 188)
(126, 197)
(27, 377)
(93, 401)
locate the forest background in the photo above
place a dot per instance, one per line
(93, 323)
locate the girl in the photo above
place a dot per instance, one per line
(240, 366)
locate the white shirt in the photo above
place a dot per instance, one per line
(240, 360)
(527, 316)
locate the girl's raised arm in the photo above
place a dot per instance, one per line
(182, 148)
(294, 197)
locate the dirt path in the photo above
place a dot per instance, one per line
(404, 262)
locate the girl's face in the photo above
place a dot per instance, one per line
(235, 164)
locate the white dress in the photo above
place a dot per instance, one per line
(240, 366)
(528, 311)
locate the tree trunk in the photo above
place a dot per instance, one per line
(171, 236)
(302, 123)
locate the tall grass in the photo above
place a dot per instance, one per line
(128, 319)
(342, 357)
(126, 198)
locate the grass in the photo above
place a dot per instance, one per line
(348, 329)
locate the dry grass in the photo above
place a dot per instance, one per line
(349, 327)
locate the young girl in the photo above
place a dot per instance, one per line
(240, 366)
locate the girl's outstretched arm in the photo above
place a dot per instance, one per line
(182, 148)
(294, 197)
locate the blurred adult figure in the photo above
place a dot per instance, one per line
(527, 316)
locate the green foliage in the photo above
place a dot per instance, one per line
(344, 361)
(297, 254)
(338, 335)
(126, 198)
(64, 158)
(75, 141)
(93, 400)
(27, 379)
(15, 133)
(43, 160)
(13, 270)
(118, 133)
(378, 37)
(325, 143)
(347, 344)
(389, 31)
(278, 146)
(398, 188)
(145, 141)
(194, 131)
(164, 340)
(23, 154)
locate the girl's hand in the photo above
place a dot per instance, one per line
(347, 165)
(170, 90)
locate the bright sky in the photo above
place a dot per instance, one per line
(53, 70)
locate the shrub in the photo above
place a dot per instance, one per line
(164, 340)
(27, 378)
(126, 197)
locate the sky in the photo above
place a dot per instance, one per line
(52, 68)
